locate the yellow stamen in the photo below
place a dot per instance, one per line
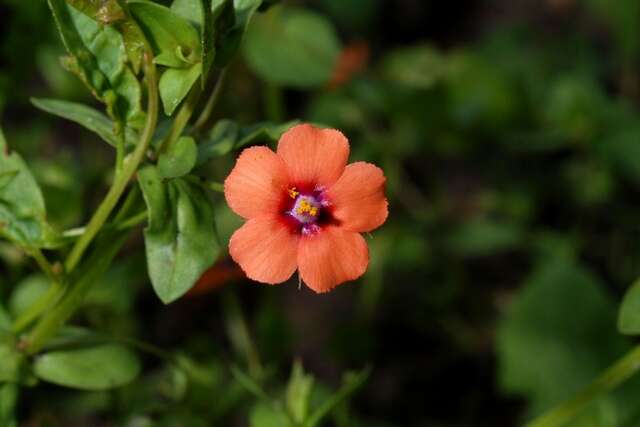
(293, 193)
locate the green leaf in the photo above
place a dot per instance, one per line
(175, 84)
(11, 362)
(418, 67)
(481, 237)
(27, 292)
(351, 382)
(86, 117)
(226, 136)
(292, 47)
(629, 314)
(232, 27)
(264, 414)
(8, 401)
(298, 393)
(22, 209)
(180, 239)
(100, 60)
(5, 320)
(101, 367)
(179, 159)
(172, 37)
(557, 336)
(191, 10)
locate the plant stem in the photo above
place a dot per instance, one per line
(95, 267)
(181, 119)
(129, 168)
(202, 119)
(131, 221)
(617, 373)
(48, 299)
(36, 309)
(239, 334)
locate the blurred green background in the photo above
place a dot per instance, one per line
(510, 137)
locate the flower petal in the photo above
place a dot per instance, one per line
(266, 249)
(257, 183)
(358, 199)
(330, 257)
(314, 155)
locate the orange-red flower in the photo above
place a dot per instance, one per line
(305, 209)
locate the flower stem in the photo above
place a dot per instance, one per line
(617, 373)
(239, 334)
(129, 168)
(202, 119)
(181, 119)
(96, 265)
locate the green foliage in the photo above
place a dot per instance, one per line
(77, 368)
(292, 47)
(179, 159)
(87, 117)
(180, 239)
(175, 84)
(174, 40)
(629, 313)
(22, 209)
(227, 135)
(299, 393)
(8, 402)
(542, 342)
(99, 58)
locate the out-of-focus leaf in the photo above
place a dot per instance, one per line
(179, 159)
(96, 368)
(86, 117)
(232, 27)
(5, 320)
(557, 336)
(22, 209)
(180, 239)
(226, 136)
(629, 313)
(27, 292)
(292, 47)
(298, 393)
(264, 414)
(100, 59)
(10, 363)
(351, 382)
(8, 401)
(623, 17)
(481, 237)
(173, 39)
(418, 67)
(175, 84)
(620, 149)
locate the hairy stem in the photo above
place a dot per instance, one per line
(129, 168)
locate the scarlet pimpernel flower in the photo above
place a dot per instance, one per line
(305, 209)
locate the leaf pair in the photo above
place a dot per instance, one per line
(180, 239)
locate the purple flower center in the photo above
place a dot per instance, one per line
(307, 209)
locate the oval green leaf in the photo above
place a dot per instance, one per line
(292, 47)
(167, 32)
(97, 368)
(86, 117)
(179, 159)
(180, 239)
(629, 314)
(175, 84)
